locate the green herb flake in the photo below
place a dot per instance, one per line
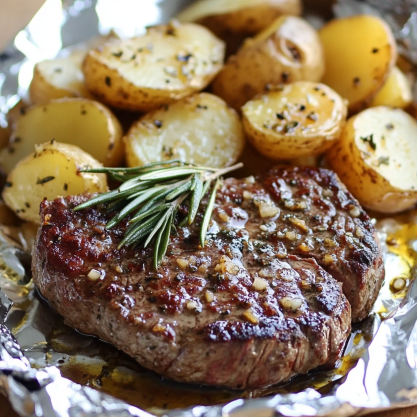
(370, 140)
(44, 180)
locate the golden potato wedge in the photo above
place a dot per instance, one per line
(294, 120)
(200, 129)
(77, 121)
(166, 64)
(246, 17)
(289, 50)
(58, 78)
(396, 92)
(360, 52)
(51, 171)
(375, 158)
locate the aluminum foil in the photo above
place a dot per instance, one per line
(378, 369)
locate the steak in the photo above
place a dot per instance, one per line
(261, 302)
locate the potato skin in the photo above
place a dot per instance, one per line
(396, 92)
(235, 20)
(200, 129)
(375, 158)
(51, 171)
(168, 63)
(295, 120)
(287, 51)
(360, 52)
(58, 78)
(78, 121)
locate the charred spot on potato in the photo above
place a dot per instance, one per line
(356, 81)
(375, 50)
(389, 126)
(117, 54)
(8, 184)
(285, 77)
(157, 123)
(107, 80)
(65, 187)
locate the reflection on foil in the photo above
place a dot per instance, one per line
(48, 369)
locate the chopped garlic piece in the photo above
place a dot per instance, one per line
(159, 327)
(191, 305)
(330, 242)
(250, 316)
(224, 217)
(304, 247)
(301, 224)
(290, 303)
(247, 195)
(182, 263)
(291, 235)
(354, 211)
(119, 269)
(94, 275)
(226, 265)
(250, 180)
(328, 259)
(260, 284)
(209, 296)
(268, 209)
(359, 232)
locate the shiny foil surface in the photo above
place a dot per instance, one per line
(48, 369)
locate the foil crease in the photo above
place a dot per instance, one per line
(385, 376)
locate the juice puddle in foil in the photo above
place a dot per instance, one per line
(46, 340)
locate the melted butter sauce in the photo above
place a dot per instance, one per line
(94, 363)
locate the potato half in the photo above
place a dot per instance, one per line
(375, 158)
(289, 50)
(58, 78)
(200, 129)
(396, 92)
(168, 63)
(238, 16)
(295, 120)
(360, 52)
(51, 171)
(77, 121)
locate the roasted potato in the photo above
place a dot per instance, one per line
(51, 171)
(289, 50)
(58, 78)
(360, 52)
(77, 121)
(396, 92)
(375, 158)
(200, 129)
(230, 19)
(166, 64)
(294, 120)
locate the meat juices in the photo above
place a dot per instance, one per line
(261, 302)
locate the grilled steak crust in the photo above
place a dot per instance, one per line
(250, 309)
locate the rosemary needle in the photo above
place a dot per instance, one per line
(149, 198)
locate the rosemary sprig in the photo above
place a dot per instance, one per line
(151, 195)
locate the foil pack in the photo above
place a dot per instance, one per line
(47, 369)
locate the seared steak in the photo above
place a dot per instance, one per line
(250, 309)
